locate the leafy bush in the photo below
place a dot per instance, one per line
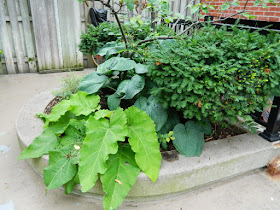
(68, 86)
(216, 73)
(96, 37)
(85, 142)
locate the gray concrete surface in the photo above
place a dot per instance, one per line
(22, 188)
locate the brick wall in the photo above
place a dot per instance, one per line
(272, 13)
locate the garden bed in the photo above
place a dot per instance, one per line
(220, 159)
(219, 131)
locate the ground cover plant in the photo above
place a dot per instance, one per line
(155, 88)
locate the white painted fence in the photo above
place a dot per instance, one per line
(42, 35)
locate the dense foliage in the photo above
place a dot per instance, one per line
(85, 142)
(216, 73)
(96, 37)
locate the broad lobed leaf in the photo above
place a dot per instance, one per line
(120, 176)
(100, 141)
(144, 142)
(60, 170)
(48, 140)
(189, 139)
(92, 83)
(153, 109)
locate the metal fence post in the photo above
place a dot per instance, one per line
(273, 125)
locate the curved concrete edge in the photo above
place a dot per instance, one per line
(220, 159)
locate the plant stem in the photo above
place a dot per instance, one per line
(111, 88)
(94, 61)
(117, 19)
(156, 38)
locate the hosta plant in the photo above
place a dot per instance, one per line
(84, 142)
(122, 75)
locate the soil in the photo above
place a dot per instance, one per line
(221, 130)
(49, 107)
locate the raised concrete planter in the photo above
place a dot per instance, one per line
(220, 159)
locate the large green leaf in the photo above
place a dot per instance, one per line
(153, 109)
(48, 140)
(120, 176)
(79, 104)
(83, 104)
(101, 141)
(60, 170)
(141, 68)
(172, 120)
(127, 89)
(117, 64)
(57, 111)
(113, 102)
(205, 126)
(189, 140)
(73, 138)
(69, 186)
(103, 113)
(111, 48)
(92, 83)
(41, 145)
(123, 64)
(144, 142)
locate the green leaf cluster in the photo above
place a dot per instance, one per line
(121, 73)
(85, 142)
(216, 73)
(96, 37)
(106, 38)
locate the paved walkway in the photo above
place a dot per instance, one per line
(22, 188)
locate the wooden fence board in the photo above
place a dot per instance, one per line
(52, 27)
(11, 69)
(58, 35)
(29, 44)
(38, 32)
(77, 30)
(16, 36)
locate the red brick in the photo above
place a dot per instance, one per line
(274, 19)
(274, 8)
(277, 14)
(253, 8)
(258, 13)
(269, 13)
(264, 9)
(262, 18)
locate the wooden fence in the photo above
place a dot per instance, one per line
(43, 35)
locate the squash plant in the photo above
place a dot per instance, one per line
(84, 141)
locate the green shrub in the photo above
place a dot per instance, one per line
(96, 37)
(216, 73)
